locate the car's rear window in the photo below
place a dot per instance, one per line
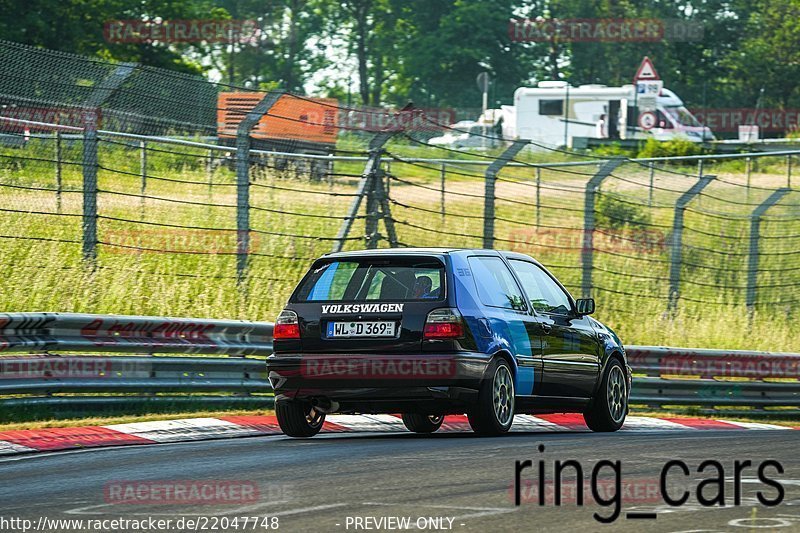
(379, 279)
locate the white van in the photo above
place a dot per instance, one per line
(554, 112)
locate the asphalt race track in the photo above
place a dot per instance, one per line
(331, 481)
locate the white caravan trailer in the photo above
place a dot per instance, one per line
(554, 112)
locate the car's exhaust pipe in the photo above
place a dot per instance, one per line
(324, 405)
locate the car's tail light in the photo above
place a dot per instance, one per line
(286, 326)
(444, 324)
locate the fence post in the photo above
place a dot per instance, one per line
(366, 187)
(243, 180)
(210, 170)
(143, 172)
(491, 177)
(90, 187)
(371, 221)
(587, 252)
(442, 179)
(90, 163)
(676, 242)
(752, 260)
(538, 196)
(748, 168)
(789, 171)
(59, 183)
(652, 178)
(382, 203)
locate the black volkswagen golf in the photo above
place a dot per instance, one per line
(431, 332)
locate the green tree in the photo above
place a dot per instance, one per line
(369, 31)
(768, 56)
(282, 55)
(77, 27)
(447, 44)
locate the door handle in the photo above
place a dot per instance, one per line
(547, 328)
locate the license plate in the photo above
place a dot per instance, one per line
(361, 329)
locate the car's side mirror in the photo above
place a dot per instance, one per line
(584, 306)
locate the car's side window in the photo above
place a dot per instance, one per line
(545, 294)
(495, 284)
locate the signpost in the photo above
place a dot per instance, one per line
(483, 85)
(647, 120)
(646, 71)
(646, 93)
(648, 86)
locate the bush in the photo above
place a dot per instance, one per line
(614, 149)
(615, 213)
(673, 148)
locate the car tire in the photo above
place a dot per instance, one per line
(610, 405)
(298, 419)
(422, 423)
(493, 414)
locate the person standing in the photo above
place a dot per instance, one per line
(601, 128)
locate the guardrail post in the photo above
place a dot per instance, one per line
(367, 187)
(587, 251)
(243, 180)
(90, 163)
(752, 263)
(488, 199)
(676, 241)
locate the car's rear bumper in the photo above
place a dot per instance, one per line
(380, 382)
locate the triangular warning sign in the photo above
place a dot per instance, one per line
(646, 71)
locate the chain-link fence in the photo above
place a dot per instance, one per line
(129, 189)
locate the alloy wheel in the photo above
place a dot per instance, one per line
(617, 397)
(503, 395)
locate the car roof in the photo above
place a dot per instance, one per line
(393, 251)
(425, 251)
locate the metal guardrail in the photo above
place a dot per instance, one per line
(51, 374)
(70, 332)
(666, 376)
(761, 382)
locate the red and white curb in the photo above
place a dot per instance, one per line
(190, 429)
